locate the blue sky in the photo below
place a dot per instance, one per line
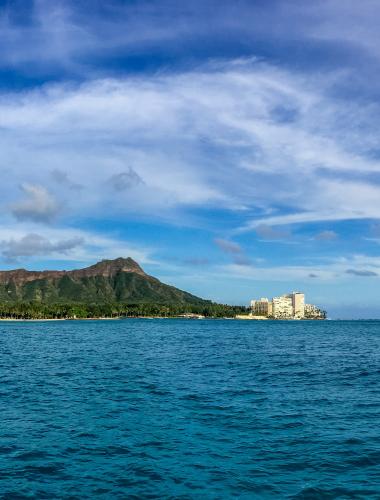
(232, 148)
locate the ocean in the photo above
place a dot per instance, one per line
(190, 409)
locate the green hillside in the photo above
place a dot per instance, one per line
(114, 286)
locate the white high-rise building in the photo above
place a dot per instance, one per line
(283, 307)
(298, 301)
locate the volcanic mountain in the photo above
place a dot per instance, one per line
(118, 280)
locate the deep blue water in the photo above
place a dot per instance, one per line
(190, 409)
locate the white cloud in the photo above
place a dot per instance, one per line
(32, 245)
(232, 136)
(39, 205)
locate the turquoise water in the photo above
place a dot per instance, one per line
(190, 409)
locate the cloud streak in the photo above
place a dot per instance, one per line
(361, 272)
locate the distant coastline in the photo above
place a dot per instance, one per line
(120, 288)
(118, 318)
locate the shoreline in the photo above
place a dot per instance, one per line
(151, 317)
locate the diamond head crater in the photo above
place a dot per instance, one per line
(109, 289)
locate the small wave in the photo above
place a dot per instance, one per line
(44, 470)
(4, 450)
(31, 455)
(366, 461)
(353, 441)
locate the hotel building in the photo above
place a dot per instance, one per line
(288, 306)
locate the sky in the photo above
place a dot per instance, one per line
(231, 148)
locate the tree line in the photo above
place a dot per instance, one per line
(36, 310)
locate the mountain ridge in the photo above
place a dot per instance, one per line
(105, 267)
(117, 280)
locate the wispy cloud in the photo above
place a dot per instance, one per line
(62, 179)
(79, 38)
(125, 180)
(333, 270)
(269, 233)
(32, 245)
(228, 246)
(327, 235)
(232, 248)
(221, 143)
(361, 272)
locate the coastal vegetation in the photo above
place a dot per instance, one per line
(38, 310)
